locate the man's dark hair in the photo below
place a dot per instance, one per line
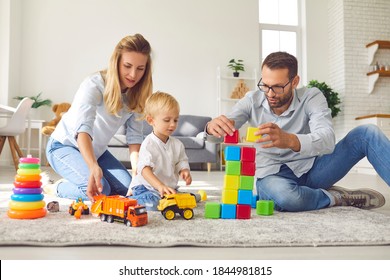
(282, 60)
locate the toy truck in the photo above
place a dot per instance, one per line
(78, 208)
(181, 203)
(121, 209)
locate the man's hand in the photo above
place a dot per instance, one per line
(94, 182)
(220, 126)
(278, 138)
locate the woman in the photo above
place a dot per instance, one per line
(77, 149)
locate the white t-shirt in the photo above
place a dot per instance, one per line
(165, 159)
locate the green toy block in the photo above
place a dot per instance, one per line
(265, 207)
(233, 167)
(212, 210)
(231, 182)
(229, 196)
(246, 183)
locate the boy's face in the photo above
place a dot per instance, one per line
(164, 123)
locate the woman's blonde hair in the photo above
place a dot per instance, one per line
(160, 102)
(137, 95)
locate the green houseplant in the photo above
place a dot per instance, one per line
(38, 101)
(331, 96)
(236, 66)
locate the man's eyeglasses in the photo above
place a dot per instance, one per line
(276, 89)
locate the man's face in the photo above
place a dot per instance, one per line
(279, 80)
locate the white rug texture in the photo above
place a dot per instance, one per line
(328, 227)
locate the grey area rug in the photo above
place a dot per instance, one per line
(327, 227)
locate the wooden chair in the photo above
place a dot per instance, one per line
(15, 125)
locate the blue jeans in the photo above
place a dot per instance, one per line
(68, 162)
(309, 191)
(146, 197)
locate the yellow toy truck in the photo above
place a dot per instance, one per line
(181, 203)
(78, 208)
(122, 209)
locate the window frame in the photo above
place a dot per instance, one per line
(289, 28)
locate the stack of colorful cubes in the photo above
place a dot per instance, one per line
(27, 201)
(237, 193)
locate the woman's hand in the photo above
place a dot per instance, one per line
(94, 182)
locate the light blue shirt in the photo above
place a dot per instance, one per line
(308, 117)
(88, 114)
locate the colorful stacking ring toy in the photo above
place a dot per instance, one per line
(28, 171)
(26, 214)
(27, 190)
(18, 205)
(28, 166)
(27, 201)
(29, 160)
(36, 184)
(27, 197)
(27, 178)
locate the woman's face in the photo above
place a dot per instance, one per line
(132, 66)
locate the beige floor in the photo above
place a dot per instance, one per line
(214, 178)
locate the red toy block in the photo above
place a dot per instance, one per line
(232, 139)
(248, 154)
(248, 168)
(243, 211)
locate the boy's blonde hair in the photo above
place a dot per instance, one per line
(160, 102)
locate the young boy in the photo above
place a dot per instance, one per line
(162, 159)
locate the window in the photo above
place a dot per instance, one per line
(280, 28)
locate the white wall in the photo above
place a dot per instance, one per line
(354, 24)
(316, 42)
(63, 41)
(4, 49)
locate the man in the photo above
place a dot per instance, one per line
(297, 161)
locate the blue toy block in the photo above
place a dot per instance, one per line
(228, 211)
(255, 198)
(244, 197)
(232, 153)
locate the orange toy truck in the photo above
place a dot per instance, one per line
(119, 208)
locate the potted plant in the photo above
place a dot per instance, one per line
(236, 66)
(331, 96)
(38, 102)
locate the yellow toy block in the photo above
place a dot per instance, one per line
(229, 196)
(231, 182)
(250, 134)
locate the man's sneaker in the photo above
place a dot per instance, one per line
(361, 198)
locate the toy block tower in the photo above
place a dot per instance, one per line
(238, 181)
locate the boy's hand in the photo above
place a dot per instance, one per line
(186, 176)
(163, 189)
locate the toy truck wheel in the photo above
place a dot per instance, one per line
(110, 219)
(128, 223)
(71, 210)
(169, 214)
(187, 214)
(86, 211)
(102, 217)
